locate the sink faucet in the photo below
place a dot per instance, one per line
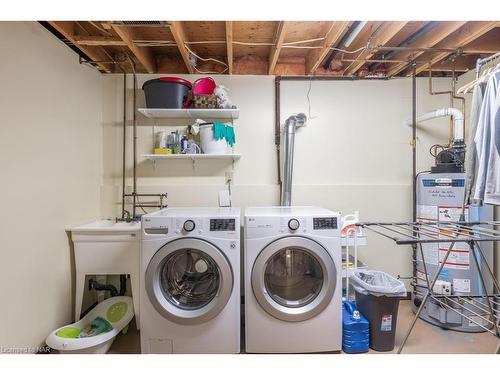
(126, 214)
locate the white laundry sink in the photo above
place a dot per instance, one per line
(107, 226)
(105, 247)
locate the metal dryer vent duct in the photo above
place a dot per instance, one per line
(291, 125)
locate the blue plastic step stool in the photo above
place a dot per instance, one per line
(355, 330)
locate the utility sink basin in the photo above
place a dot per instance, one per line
(107, 226)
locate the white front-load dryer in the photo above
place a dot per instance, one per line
(190, 281)
(293, 289)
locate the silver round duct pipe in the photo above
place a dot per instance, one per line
(291, 125)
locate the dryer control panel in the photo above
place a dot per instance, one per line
(299, 225)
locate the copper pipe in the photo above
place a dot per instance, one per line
(460, 98)
(450, 93)
(124, 141)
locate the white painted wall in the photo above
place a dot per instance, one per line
(50, 147)
(353, 155)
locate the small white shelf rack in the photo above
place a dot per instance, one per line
(193, 157)
(190, 113)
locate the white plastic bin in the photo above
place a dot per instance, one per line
(208, 143)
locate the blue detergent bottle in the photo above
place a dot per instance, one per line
(355, 330)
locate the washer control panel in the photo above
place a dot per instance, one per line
(293, 224)
(321, 223)
(222, 225)
(189, 225)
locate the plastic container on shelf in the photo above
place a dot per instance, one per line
(167, 92)
(204, 86)
(209, 145)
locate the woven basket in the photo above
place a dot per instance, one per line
(204, 101)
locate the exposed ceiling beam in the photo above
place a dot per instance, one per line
(143, 54)
(465, 35)
(316, 57)
(180, 38)
(429, 39)
(386, 32)
(278, 40)
(67, 29)
(229, 44)
(99, 41)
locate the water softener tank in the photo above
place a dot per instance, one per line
(355, 330)
(440, 197)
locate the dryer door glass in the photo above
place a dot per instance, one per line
(189, 279)
(293, 277)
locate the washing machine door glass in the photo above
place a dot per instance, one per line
(294, 278)
(189, 281)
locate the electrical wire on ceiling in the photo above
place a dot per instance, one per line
(206, 59)
(309, 99)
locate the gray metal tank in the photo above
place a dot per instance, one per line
(440, 197)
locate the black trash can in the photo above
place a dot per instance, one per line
(167, 92)
(377, 298)
(382, 313)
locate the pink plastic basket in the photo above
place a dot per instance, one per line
(204, 86)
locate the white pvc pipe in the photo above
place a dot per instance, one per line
(456, 114)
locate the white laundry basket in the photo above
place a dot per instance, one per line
(118, 311)
(208, 143)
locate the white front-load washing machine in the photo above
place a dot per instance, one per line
(293, 288)
(190, 285)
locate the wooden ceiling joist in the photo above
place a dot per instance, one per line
(179, 35)
(143, 54)
(383, 35)
(99, 41)
(316, 57)
(95, 53)
(465, 35)
(429, 39)
(265, 47)
(229, 46)
(278, 40)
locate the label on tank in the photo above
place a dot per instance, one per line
(386, 324)
(461, 285)
(444, 182)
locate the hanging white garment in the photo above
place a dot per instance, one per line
(488, 157)
(471, 155)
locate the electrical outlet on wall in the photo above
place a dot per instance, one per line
(224, 198)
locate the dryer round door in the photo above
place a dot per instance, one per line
(189, 281)
(294, 278)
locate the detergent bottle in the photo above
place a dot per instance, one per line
(355, 329)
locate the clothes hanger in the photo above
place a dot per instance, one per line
(467, 87)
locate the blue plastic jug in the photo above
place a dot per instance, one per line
(355, 330)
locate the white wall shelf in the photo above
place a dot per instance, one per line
(155, 157)
(191, 113)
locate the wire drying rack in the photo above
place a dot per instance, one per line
(483, 310)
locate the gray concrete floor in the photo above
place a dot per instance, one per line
(424, 339)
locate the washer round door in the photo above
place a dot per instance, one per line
(294, 278)
(189, 281)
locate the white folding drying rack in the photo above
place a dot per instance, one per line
(482, 310)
